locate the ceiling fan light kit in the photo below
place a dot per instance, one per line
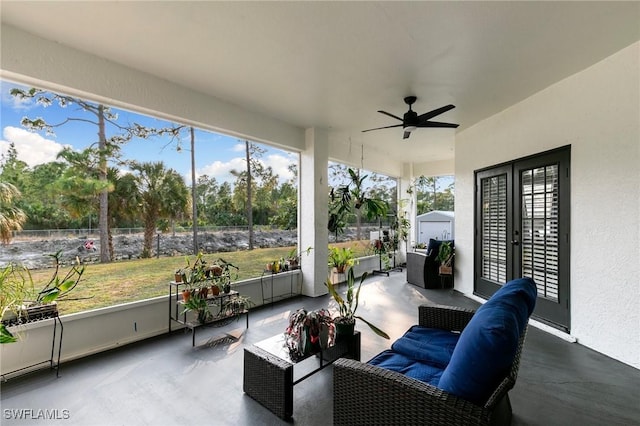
(411, 120)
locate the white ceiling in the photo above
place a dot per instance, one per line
(334, 64)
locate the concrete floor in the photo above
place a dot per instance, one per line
(164, 381)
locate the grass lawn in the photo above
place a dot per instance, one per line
(127, 281)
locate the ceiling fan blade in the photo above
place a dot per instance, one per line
(437, 124)
(406, 135)
(437, 111)
(390, 115)
(385, 127)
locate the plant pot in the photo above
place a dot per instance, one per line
(215, 290)
(177, 278)
(203, 292)
(344, 330)
(226, 288)
(216, 270)
(186, 295)
(445, 270)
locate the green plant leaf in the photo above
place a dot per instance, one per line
(49, 295)
(6, 336)
(374, 328)
(66, 286)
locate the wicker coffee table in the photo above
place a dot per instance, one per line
(269, 374)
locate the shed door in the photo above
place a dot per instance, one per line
(439, 230)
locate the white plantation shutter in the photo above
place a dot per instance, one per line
(494, 228)
(539, 189)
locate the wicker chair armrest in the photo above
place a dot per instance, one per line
(397, 399)
(450, 318)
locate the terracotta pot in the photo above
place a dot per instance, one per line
(203, 292)
(177, 278)
(186, 295)
(215, 290)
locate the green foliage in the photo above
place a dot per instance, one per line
(348, 305)
(341, 257)
(352, 195)
(58, 287)
(11, 217)
(15, 286)
(446, 253)
(197, 304)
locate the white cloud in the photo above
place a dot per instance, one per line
(32, 148)
(222, 170)
(280, 163)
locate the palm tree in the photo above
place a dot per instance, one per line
(123, 201)
(11, 217)
(162, 195)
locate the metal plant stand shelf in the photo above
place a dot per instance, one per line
(215, 304)
(269, 374)
(52, 361)
(266, 279)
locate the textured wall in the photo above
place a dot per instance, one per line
(597, 112)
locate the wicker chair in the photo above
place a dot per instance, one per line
(364, 394)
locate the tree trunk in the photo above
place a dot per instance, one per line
(103, 218)
(149, 233)
(249, 204)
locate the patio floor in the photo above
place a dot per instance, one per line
(164, 381)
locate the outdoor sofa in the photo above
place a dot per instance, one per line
(454, 368)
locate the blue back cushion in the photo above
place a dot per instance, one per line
(488, 344)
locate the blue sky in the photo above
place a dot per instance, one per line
(216, 154)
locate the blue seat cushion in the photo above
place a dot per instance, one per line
(422, 354)
(488, 344)
(399, 363)
(428, 345)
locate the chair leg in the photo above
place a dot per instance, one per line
(502, 412)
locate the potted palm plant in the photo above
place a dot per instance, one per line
(346, 320)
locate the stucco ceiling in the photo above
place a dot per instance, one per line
(334, 64)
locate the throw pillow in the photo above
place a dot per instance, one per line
(488, 344)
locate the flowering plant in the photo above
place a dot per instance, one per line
(309, 332)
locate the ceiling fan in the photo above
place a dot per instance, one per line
(411, 120)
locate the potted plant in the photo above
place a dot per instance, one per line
(341, 258)
(309, 332)
(17, 286)
(236, 305)
(445, 257)
(223, 273)
(293, 258)
(347, 307)
(197, 304)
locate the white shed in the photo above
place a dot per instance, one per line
(439, 225)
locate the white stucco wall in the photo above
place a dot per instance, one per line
(597, 112)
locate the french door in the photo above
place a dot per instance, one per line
(522, 229)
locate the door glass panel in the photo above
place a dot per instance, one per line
(494, 228)
(539, 189)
